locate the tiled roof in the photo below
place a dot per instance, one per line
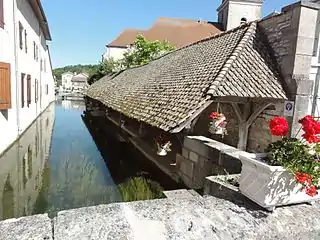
(78, 79)
(127, 37)
(169, 90)
(180, 36)
(179, 32)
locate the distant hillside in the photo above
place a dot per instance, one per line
(88, 69)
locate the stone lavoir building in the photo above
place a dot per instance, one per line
(247, 73)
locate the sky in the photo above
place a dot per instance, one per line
(80, 29)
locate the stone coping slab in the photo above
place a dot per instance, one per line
(206, 218)
(171, 218)
(36, 227)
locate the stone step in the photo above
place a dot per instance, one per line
(181, 194)
(195, 193)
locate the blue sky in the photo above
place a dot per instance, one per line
(81, 28)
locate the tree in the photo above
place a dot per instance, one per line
(141, 52)
(104, 68)
(144, 51)
(89, 69)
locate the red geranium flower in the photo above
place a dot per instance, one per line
(279, 126)
(303, 178)
(311, 191)
(311, 127)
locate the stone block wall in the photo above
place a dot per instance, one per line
(199, 160)
(291, 36)
(259, 135)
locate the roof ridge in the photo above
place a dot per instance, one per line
(234, 55)
(202, 40)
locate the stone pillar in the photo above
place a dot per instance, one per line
(291, 36)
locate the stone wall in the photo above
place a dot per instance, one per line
(291, 36)
(199, 159)
(259, 134)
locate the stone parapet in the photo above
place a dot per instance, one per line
(195, 218)
(202, 157)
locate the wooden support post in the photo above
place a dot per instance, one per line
(246, 119)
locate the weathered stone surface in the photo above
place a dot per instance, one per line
(195, 218)
(185, 152)
(194, 157)
(178, 194)
(187, 218)
(99, 222)
(186, 167)
(26, 228)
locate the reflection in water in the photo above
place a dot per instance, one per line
(21, 168)
(56, 165)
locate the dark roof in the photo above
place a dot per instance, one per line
(41, 16)
(178, 32)
(166, 92)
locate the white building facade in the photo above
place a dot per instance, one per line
(66, 80)
(26, 80)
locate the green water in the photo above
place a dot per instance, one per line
(56, 165)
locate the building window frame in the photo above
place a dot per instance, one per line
(22, 89)
(28, 90)
(1, 15)
(21, 35)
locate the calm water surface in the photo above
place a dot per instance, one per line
(56, 165)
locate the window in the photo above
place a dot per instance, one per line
(45, 65)
(37, 53)
(34, 50)
(47, 89)
(25, 41)
(41, 65)
(1, 14)
(22, 89)
(5, 86)
(36, 91)
(28, 90)
(20, 35)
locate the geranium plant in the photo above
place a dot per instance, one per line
(299, 156)
(217, 123)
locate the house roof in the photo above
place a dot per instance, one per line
(41, 16)
(79, 78)
(127, 37)
(168, 91)
(179, 32)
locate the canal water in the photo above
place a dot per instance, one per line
(57, 165)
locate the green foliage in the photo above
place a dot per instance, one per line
(140, 188)
(295, 156)
(144, 51)
(89, 69)
(105, 67)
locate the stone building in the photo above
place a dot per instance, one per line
(246, 72)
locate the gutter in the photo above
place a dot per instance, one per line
(16, 67)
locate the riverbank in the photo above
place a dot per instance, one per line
(182, 215)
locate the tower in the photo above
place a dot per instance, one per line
(231, 13)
